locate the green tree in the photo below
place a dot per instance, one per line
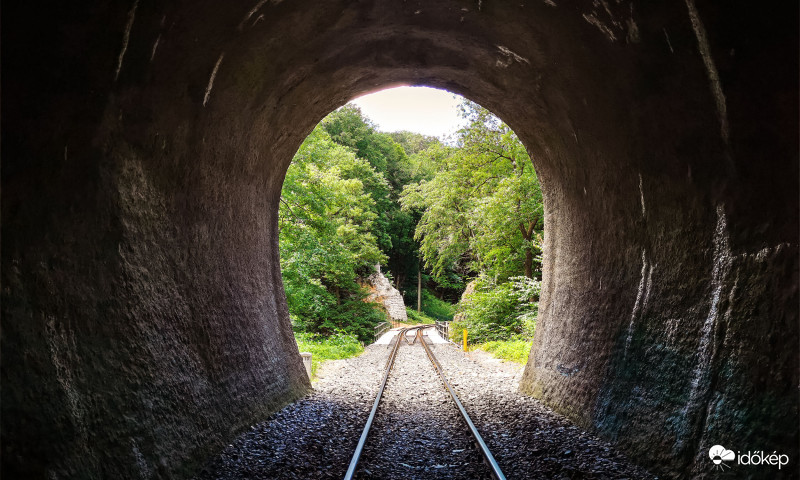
(498, 311)
(413, 142)
(326, 242)
(393, 227)
(482, 209)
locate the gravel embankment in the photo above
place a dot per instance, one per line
(313, 438)
(417, 433)
(528, 439)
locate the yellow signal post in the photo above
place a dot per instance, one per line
(465, 339)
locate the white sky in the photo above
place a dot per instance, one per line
(417, 109)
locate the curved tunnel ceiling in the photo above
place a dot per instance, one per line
(143, 306)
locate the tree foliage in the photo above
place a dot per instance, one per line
(339, 216)
(354, 197)
(481, 215)
(393, 227)
(498, 311)
(482, 209)
(326, 239)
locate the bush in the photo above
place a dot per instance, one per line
(512, 350)
(335, 347)
(435, 308)
(351, 315)
(498, 311)
(418, 317)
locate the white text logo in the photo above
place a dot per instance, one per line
(719, 455)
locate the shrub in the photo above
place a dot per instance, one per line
(498, 311)
(335, 347)
(351, 315)
(418, 317)
(435, 308)
(512, 350)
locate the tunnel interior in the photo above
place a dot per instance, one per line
(144, 149)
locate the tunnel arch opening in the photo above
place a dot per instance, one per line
(388, 222)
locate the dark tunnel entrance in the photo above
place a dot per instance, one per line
(140, 268)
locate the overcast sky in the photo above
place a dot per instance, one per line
(417, 109)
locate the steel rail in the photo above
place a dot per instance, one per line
(487, 455)
(351, 470)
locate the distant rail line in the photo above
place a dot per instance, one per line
(488, 458)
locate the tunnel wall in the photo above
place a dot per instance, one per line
(144, 148)
(144, 323)
(668, 320)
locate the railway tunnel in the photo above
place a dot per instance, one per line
(144, 146)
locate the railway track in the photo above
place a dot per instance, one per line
(403, 337)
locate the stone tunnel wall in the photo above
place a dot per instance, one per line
(144, 147)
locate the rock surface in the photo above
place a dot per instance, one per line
(469, 290)
(382, 292)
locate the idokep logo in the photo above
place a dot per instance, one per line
(719, 455)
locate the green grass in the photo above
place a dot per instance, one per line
(435, 308)
(418, 317)
(335, 347)
(513, 350)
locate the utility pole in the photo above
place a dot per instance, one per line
(419, 288)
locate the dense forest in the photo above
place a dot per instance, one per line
(463, 214)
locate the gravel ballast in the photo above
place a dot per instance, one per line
(417, 432)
